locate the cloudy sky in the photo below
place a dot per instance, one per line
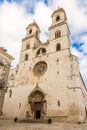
(15, 15)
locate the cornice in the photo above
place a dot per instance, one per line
(57, 24)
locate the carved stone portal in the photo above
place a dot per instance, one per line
(37, 104)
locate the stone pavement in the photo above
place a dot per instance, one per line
(10, 125)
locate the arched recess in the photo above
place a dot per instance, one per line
(37, 103)
(58, 47)
(57, 34)
(26, 57)
(57, 18)
(41, 51)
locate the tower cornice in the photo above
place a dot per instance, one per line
(57, 24)
(29, 37)
(33, 24)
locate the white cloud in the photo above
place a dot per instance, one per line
(76, 53)
(83, 68)
(83, 38)
(13, 22)
(82, 63)
(43, 18)
(77, 18)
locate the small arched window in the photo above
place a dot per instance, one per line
(27, 46)
(30, 31)
(41, 51)
(58, 47)
(57, 18)
(26, 57)
(57, 34)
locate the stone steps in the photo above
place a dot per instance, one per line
(42, 121)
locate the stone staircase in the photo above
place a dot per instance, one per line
(40, 121)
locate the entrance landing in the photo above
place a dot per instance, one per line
(40, 121)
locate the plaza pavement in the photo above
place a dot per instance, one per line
(11, 125)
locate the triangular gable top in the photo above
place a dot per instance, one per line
(37, 88)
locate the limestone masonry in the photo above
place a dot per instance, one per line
(47, 82)
(5, 61)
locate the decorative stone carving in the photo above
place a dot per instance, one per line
(22, 81)
(40, 68)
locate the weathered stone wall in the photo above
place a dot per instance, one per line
(60, 83)
(5, 61)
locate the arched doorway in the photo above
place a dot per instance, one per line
(38, 104)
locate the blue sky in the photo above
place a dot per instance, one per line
(15, 15)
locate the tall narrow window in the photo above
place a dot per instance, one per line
(86, 111)
(10, 93)
(19, 105)
(57, 34)
(30, 31)
(58, 47)
(26, 57)
(58, 103)
(36, 33)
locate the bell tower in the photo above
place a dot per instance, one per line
(58, 16)
(59, 31)
(33, 30)
(30, 41)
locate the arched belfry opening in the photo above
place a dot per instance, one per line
(37, 103)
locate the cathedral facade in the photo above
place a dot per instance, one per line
(47, 82)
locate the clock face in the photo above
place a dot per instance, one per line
(40, 68)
